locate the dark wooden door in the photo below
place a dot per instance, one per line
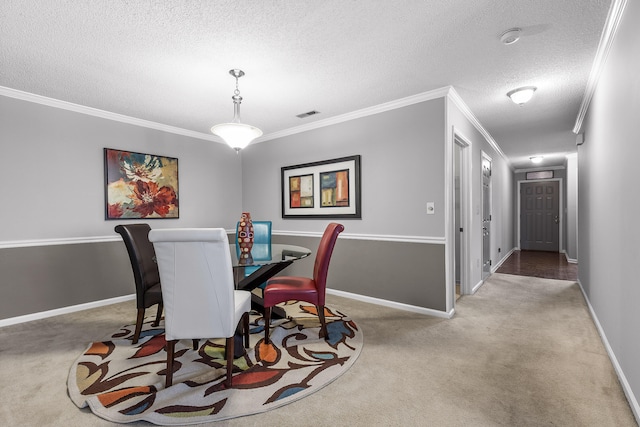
(539, 216)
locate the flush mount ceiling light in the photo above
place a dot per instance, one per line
(237, 135)
(511, 36)
(522, 95)
(536, 159)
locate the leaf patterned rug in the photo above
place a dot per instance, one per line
(122, 382)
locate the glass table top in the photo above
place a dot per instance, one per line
(264, 254)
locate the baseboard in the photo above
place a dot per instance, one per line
(631, 398)
(64, 310)
(477, 286)
(393, 304)
(504, 258)
(570, 260)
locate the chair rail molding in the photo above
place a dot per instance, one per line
(102, 239)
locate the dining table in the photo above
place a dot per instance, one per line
(265, 261)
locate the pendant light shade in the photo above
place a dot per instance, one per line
(236, 134)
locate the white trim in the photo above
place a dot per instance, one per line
(393, 304)
(570, 260)
(477, 286)
(604, 47)
(628, 391)
(560, 207)
(60, 241)
(539, 168)
(462, 106)
(101, 239)
(387, 106)
(376, 237)
(64, 105)
(504, 258)
(64, 310)
(392, 105)
(483, 156)
(457, 138)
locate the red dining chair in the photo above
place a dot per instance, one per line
(311, 290)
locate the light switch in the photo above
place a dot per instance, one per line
(431, 208)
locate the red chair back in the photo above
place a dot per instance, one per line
(323, 256)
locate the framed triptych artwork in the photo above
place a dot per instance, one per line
(139, 185)
(325, 189)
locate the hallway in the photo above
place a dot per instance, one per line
(547, 265)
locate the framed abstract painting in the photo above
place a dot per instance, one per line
(325, 189)
(139, 185)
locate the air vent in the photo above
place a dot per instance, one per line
(307, 114)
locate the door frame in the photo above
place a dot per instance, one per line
(459, 139)
(483, 276)
(560, 209)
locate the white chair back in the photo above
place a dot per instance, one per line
(197, 282)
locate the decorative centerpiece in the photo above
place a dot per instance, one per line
(245, 238)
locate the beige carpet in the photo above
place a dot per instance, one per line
(520, 352)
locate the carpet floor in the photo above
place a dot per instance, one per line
(521, 351)
(124, 382)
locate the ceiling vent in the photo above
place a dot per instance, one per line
(307, 114)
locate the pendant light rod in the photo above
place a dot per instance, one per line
(236, 134)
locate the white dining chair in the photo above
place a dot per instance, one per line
(198, 290)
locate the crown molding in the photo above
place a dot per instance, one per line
(90, 111)
(604, 47)
(444, 92)
(464, 108)
(387, 106)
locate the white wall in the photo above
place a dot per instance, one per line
(609, 201)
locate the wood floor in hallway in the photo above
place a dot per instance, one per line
(548, 265)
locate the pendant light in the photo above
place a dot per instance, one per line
(237, 135)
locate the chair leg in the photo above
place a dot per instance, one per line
(267, 324)
(245, 327)
(229, 348)
(170, 350)
(136, 334)
(158, 315)
(323, 323)
(196, 344)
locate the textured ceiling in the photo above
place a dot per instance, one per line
(168, 61)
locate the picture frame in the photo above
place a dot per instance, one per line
(324, 189)
(140, 185)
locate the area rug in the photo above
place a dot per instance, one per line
(123, 383)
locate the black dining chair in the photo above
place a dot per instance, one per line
(145, 271)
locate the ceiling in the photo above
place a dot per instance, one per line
(168, 61)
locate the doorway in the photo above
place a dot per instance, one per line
(540, 215)
(461, 215)
(486, 216)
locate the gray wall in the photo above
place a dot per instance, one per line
(52, 172)
(395, 252)
(402, 168)
(609, 201)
